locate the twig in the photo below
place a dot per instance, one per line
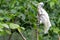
(58, 37)
(21, 34)
(37, 34)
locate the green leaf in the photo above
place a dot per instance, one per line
(3, 33)
(5, 25)
(56, 30)
(22, 28)
(1, 25)
(1, 29)
(52, 4)
(1, 18)
(14, 26)
(8, 31)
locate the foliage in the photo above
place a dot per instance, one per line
(21, 15)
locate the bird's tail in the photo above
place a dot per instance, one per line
(47, 26)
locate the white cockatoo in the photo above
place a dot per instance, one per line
(43, 17)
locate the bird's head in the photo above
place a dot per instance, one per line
(41, 4)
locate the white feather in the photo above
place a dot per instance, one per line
(43, 18)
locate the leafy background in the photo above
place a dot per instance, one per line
(21, 15)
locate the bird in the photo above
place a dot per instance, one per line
(43, 17)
